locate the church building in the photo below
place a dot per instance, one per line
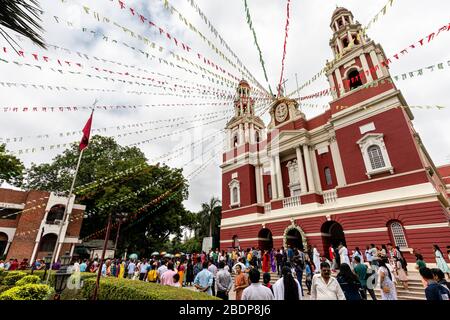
(357, 173)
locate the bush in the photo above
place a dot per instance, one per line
(27, 292)
(126, 289)
(4, 288)
(12, 277)
(28, 280)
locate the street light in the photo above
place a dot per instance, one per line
(62, 275)
(47, 260)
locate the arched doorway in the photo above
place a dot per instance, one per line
(294, 239)
(332, 234)
(48, 243)
(3, 243)
(265, 240)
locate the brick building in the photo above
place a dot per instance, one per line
(30, 222)
(357, 173)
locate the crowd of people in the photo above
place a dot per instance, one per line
(218, 272)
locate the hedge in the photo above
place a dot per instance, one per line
(31, 279)
(27, 292)
(12, 277)
(126, 289)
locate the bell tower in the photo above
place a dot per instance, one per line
(358, 62)
(245, 126)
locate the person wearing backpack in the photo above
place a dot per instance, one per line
(434, 290)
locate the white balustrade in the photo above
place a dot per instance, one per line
(291, 202)
(329, 196)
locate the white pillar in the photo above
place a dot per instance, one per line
(7, 248)
(261, 183)
(339, 80)
(33, 255)
(332, 84)
(375, 63)
(246, 132)
(257, 183)
(365, 66)
(309, 174)
(337, 162)
(279, 177)
(301, 171)
(72, 249)
(273, 181)
(241, 134)
(315, 169)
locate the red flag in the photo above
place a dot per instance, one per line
(86, 133)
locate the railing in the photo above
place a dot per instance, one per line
(329, 196)
(267, 207)
(291, 202)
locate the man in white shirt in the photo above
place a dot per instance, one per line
(325, 287)
(161, 270)
(213, 269)
(256, 291)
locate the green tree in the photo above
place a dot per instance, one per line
(11, 168)
(209, 219)
(150, 228)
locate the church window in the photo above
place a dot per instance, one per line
(328, 179)
(235, 141)
(235, 190)
(398, 235)
(257, 137)
(345, 42)
(376, 157)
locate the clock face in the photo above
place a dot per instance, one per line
(281, 112)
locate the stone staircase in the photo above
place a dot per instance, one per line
(415, 290)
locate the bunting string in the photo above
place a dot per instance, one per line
(286, 29)
(261, 60)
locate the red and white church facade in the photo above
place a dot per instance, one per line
(357, 174)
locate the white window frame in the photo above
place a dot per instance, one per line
(400, 232)
(235, 184)
(365, 143)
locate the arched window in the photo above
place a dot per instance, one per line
(345, 42)
(398, 234)
(355, 79)
(55, 213)
(257, 137)
(269, 190)
(235, 141)
(355, 40)
(339, 23)
(235, 189)
(235, 195)
(328, 179)
(48, 242)
(375, 157)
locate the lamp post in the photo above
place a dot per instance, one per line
(47, 260)
(62, 275)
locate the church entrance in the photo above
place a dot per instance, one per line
(265, 240)
(332, 234)
(294, 239)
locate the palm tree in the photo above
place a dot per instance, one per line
(209, 210)
(23, 17)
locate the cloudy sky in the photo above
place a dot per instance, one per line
(405, 23)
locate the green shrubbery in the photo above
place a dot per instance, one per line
(12, 277)
(27, 292)
(32, 279)
(125, 289)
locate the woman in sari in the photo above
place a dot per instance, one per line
(273, 263)
(181, 269)
(240, 282)
(266, 261)
(122, 270)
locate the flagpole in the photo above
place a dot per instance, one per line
(65, 217)
(66, 209)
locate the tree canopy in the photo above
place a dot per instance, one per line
(104, 157)
(11, 168)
